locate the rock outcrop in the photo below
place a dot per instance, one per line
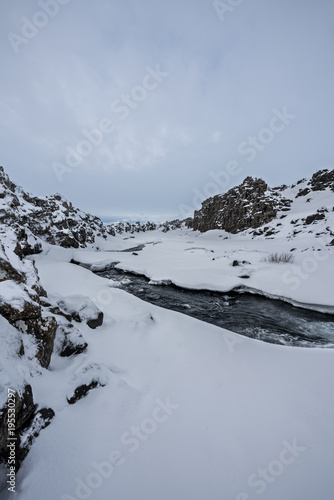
(56, 221)
(249, 205)
(137, 227)
(45, 218)
(27, 334)
(320, 181)
(255, 207)
(30, 324)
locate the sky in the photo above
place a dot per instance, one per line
(143, 109)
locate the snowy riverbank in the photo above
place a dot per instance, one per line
(205, 261)
(187, 410)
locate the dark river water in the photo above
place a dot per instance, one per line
(251, 315)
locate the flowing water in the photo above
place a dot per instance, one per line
(251, 315)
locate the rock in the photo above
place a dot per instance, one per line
(314, 217)
(44, 330)
(8, 272)
(322, 180)
(81, 308)
(49, 218)
(26, 315)
(249, 205)
(69, 341)
(58, 311)
(67, 241)
(253, 204)
(55, 220)
(96, 321)
(271, 232)
(127, 227)
(303, 192)
(82, 391)
(20, 306)
(24, 411)
(41, 419)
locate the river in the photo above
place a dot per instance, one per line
(254, 316)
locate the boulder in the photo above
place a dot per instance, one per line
(81, 308)
(69, 341)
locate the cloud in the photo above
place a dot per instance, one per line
(224, 80)
(216, 137)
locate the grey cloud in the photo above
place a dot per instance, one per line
(225, 78)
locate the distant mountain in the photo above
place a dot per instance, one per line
(258, 210)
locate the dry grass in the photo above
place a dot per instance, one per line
(279, 258)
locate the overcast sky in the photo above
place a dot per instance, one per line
(190, 97)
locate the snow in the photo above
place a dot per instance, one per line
(15, 369)
(11, 292)
(206, 263)
(188, 410)
(182, 409)
(77, 304)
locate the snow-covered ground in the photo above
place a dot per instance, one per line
(184, 409)
(205, 261)
(178, 409)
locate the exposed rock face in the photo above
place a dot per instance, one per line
(44, 331)
(320, 181)
(50, 218)
(136, 227)
(55, 220)
(258, 208)
(29, 421)
(25, 324)
(24, 410)
(20, 294)
(40, 420)
(28, 327)
(249, 205)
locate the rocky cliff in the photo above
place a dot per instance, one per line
(254, 204)
(48, 218)
(56, 221)
(136, 227)
(32, 325)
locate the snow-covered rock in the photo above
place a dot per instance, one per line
(142, 227)
(256, 207)
(69, 340)
(80, 309)
(45, 218)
